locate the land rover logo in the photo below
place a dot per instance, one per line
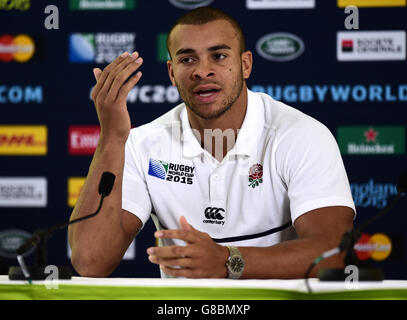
(280, 46)
(190, 4)
(11, 240)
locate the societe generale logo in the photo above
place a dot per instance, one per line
(83, 140)
(371, 45)
(23, 140)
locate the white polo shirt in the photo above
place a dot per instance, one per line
(283, 164)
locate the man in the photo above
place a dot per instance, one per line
(264, 206)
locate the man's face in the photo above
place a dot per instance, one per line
(207, 66)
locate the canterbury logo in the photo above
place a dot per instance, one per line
(213, 216)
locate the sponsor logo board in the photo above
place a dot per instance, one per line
(190, 4)
(152, 94)
(21, 48)
(83, 140)
(162, 52)
(23, 192)
(23, 140)
(102, 4)
(99, 47)
(372, 194)
(280, 4)
(321, 93)
(19, 94)
(11, 240)
(21, 5)
(371, 45)
(372, 140)
(372, 3)
(376, 247)
(280, 47)
(75, 185)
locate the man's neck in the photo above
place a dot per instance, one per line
(218, 136)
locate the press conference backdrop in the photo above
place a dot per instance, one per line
(347, 70)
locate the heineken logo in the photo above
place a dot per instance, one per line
(170, 171)
(280, 47)
(11, 240)
(102, 4)
(353, 140)
(190, 4)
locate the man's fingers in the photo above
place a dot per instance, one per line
(184, 224)
(121, 77)
(114, 77)
(184, 272)
(97, 72)
(190, 236)
(171, 252)
(125, 89)
(171, 262)
(103, 76)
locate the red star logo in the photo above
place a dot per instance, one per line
(371, 135)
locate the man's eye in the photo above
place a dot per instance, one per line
(219, 56)
(186, 60)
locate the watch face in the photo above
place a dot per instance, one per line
(236, 264)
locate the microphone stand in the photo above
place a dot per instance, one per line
(41, 236)
(347, 244)
(348, 241)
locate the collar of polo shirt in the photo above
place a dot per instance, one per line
(246, 142)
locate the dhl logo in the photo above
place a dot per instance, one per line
(372, 3)
(23, 140)
(75, 185)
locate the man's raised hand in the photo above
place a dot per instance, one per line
(110, 95)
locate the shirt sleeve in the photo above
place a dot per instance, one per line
(135, 195)
(312, 169)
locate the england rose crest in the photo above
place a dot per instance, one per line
(255, 175)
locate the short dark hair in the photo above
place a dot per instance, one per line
(204, 15)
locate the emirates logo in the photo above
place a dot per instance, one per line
(255, 175)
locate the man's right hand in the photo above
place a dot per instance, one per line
(110, 95)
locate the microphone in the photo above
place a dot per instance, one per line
(348, 241)
(40, 237)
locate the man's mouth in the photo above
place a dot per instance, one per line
(207, 92)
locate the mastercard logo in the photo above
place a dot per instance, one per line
(19, 48)
(377, 247)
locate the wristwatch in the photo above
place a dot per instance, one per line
(235, 263)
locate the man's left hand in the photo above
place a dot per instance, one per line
(200, 258)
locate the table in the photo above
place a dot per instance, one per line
(81, 288)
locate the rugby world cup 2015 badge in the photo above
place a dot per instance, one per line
(171, 172)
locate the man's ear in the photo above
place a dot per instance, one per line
(247, 64)
(171, 71)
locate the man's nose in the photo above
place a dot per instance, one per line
(203, 70)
